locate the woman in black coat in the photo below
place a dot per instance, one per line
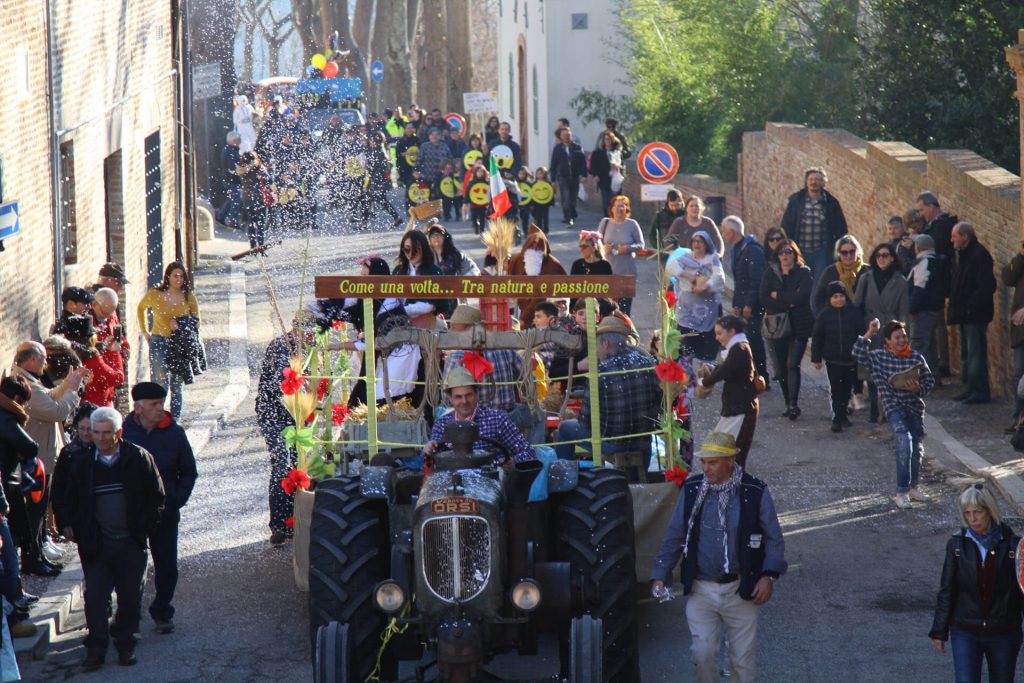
(786, 288)
(738, 376)
(978, 607)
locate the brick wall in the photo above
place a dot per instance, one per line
(874, 180)
(114, 86)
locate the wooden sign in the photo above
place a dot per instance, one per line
(456, 287)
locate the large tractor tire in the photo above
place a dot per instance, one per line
(595, 534)
(332, 658)
(348, 556)
(585, 638)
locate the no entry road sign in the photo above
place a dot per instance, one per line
(657, 162)
(456, 122)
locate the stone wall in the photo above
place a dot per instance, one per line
(873, 180)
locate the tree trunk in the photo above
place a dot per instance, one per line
(305, 16)
(390, 44)
(460, 58)
(361, 25)
(432, 73)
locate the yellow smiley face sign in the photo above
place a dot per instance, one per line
(542, 192)
(410, 155)
(525, 193)
(472, 156)
(419, 193)
(503, 157)
(448, 187)
(478, 194)
(354, 167)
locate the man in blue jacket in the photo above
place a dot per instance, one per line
(748, 264)
(152, 428)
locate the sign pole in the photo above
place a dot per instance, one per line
(370, 373)
(592, 383)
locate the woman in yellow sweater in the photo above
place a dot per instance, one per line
(171, 299)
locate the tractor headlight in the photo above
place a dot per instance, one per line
(389, 596)
(526, 595)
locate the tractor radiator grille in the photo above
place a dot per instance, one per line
(456, 556)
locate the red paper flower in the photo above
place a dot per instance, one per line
(670, 371)
(681, 411)
(290, 522)
(339, 411)
(677, 475)
(338, 324)
(312, 416)
(296, 479)
(477, 365)
(670, 297)
(292, 381)
(321, 388)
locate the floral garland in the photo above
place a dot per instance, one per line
(674, 380)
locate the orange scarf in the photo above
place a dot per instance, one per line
(905, 353)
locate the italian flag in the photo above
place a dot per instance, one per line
(499, 193)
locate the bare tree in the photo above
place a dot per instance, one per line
(460, 56)
(432, 67)
(248, 20)
(390, 44)
(361, 18)
(276, 31)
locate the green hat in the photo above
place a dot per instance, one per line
(459, 377)
(613, 323)
(718, 445)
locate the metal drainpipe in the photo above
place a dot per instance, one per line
(55, 182)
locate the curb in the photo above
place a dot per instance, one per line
(65, 591)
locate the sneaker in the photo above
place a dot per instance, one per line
(902, 501)
(164, 626)
(837, 427)
(916, 494)
(126, 657)
(24, 629)
(51, 552)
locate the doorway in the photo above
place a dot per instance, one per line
(113, 192)
(154, 212)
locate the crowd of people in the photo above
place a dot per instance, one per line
(85, 460)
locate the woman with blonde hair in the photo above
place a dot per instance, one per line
(978, 606)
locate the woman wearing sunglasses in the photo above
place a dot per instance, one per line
(773, 237)
(978, 607)
(416, 257)
(882, 293)
(849, 268)
(786, 289)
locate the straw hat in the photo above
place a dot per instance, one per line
(466, 315)
(459, 377)
(718, 445)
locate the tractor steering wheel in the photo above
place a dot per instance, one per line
(501, 447)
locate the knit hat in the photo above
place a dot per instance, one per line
(78, 327)
(148, 390)
(924, 242)
(836, 287)
(466, 315)
(459, 377)
(113, 270)
(718, 445)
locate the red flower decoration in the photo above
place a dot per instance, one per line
(312, 416)
(677, 475)
(670, 297)
(338, 324)
(296, 479)
(292, 381)
(477, 365)
(681, 411)
(670, 371)
(339, 411)
(321, 388)
(290, 522)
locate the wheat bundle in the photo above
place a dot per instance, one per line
(499, 236)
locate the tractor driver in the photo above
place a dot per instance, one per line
(461, 388)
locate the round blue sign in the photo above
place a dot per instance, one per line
(377, 71)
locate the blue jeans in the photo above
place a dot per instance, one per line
(10, 573)
(974, 361)
(573, 429)
(818, 260)
(158, 373)
(908, 430)
(1000, 649)
(232, 205)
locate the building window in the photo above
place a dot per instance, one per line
(501, 9)
(536, 102)
(515, 10)
(511, 88)
(579, 21)
(68, 219)
(526, 14)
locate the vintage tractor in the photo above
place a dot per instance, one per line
(455, 567)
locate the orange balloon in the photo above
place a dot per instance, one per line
(330, 69)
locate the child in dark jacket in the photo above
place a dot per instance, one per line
(835, 331)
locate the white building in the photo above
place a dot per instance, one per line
(547, 51)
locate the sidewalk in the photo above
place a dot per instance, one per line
(220, 287)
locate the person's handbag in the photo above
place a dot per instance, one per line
(776, 326)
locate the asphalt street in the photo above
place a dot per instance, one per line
(855, 605)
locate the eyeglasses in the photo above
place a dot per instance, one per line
(776, 238)
(847, 252)
(584, 245)
(408, 249)
(883, 254)
(787, 250)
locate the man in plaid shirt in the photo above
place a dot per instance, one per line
(630, 401)
(904, 407)
(498, 392)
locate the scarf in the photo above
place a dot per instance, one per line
(905, 353)
(725, 491)
(882, 277)
(989, 540)
(848, 276)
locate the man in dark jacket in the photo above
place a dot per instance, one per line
(927, 297)
(110, 501)
(727, 531)
(971, 307)
(814, 220)
(748, 264)
(150, 427)
(229, 211)
(505, 138)
(568, 165)
(939, 226)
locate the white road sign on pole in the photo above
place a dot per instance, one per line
(206, 81)
(654, 193)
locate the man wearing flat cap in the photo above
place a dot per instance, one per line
(727, 532)
(630, 401)
(74, 301)
(152, 428)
